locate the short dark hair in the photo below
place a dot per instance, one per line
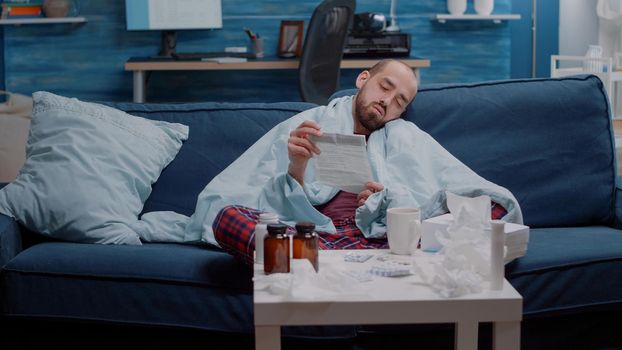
(378, 67)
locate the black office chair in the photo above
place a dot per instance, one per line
(323, 47)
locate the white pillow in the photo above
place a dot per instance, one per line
(89, 169)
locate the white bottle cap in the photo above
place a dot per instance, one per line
(269, 218)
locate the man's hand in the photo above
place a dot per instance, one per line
(300, 149)
(370, 188)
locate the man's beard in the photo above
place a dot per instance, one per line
(366, 114)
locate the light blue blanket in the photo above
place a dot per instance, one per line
(414, 168)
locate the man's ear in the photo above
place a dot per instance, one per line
(362, 79)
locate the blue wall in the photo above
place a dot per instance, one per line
(521, 34)
(86, 60)
(547, 37)
(547, 30)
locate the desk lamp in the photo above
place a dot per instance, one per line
(393, 27)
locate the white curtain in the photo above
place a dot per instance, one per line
(610, 38)
(609, 26)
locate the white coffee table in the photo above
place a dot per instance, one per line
(401, 300)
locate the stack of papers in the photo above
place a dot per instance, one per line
(343, 161)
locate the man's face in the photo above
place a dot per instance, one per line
(383, 96)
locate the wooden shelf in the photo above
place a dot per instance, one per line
(496, 18)
(43, 20)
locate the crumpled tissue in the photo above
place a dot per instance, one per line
(463, 263)
(306, 284)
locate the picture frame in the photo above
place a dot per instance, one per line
(290, 39)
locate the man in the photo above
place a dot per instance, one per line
(384, 92)
(410, 169)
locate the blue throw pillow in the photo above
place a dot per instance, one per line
(89, 169)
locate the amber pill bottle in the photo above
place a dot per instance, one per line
(306, 243)
(276, 249)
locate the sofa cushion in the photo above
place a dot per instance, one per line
(549, 141)
(550, 148)
(219, 133)
(568, 270)
(153, 284)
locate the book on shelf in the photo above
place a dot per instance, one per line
(21, 9)
(22, 2)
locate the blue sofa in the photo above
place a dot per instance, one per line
(549, 141)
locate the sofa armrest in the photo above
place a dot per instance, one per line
(10, 239)
(617, 223)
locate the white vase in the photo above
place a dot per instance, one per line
(456, 7)
(484, 7)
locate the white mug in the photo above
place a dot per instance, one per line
(403, 230)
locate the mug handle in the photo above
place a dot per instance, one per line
(414, 227)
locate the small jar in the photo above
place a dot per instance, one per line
(276, 249)
(306, 243)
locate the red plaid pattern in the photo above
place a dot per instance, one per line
(349, 236)
(234, 230)
(497, 211)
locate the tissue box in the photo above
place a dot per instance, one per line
(516, 236)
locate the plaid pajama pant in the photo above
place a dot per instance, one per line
(234, 230)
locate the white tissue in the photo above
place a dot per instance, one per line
(449, 283)
(305, 284)
(470, 212)
(464, 259)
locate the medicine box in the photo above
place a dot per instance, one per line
(516, 236)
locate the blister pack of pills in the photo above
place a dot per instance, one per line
(389, 271)
(390, 259)
(357, 257)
